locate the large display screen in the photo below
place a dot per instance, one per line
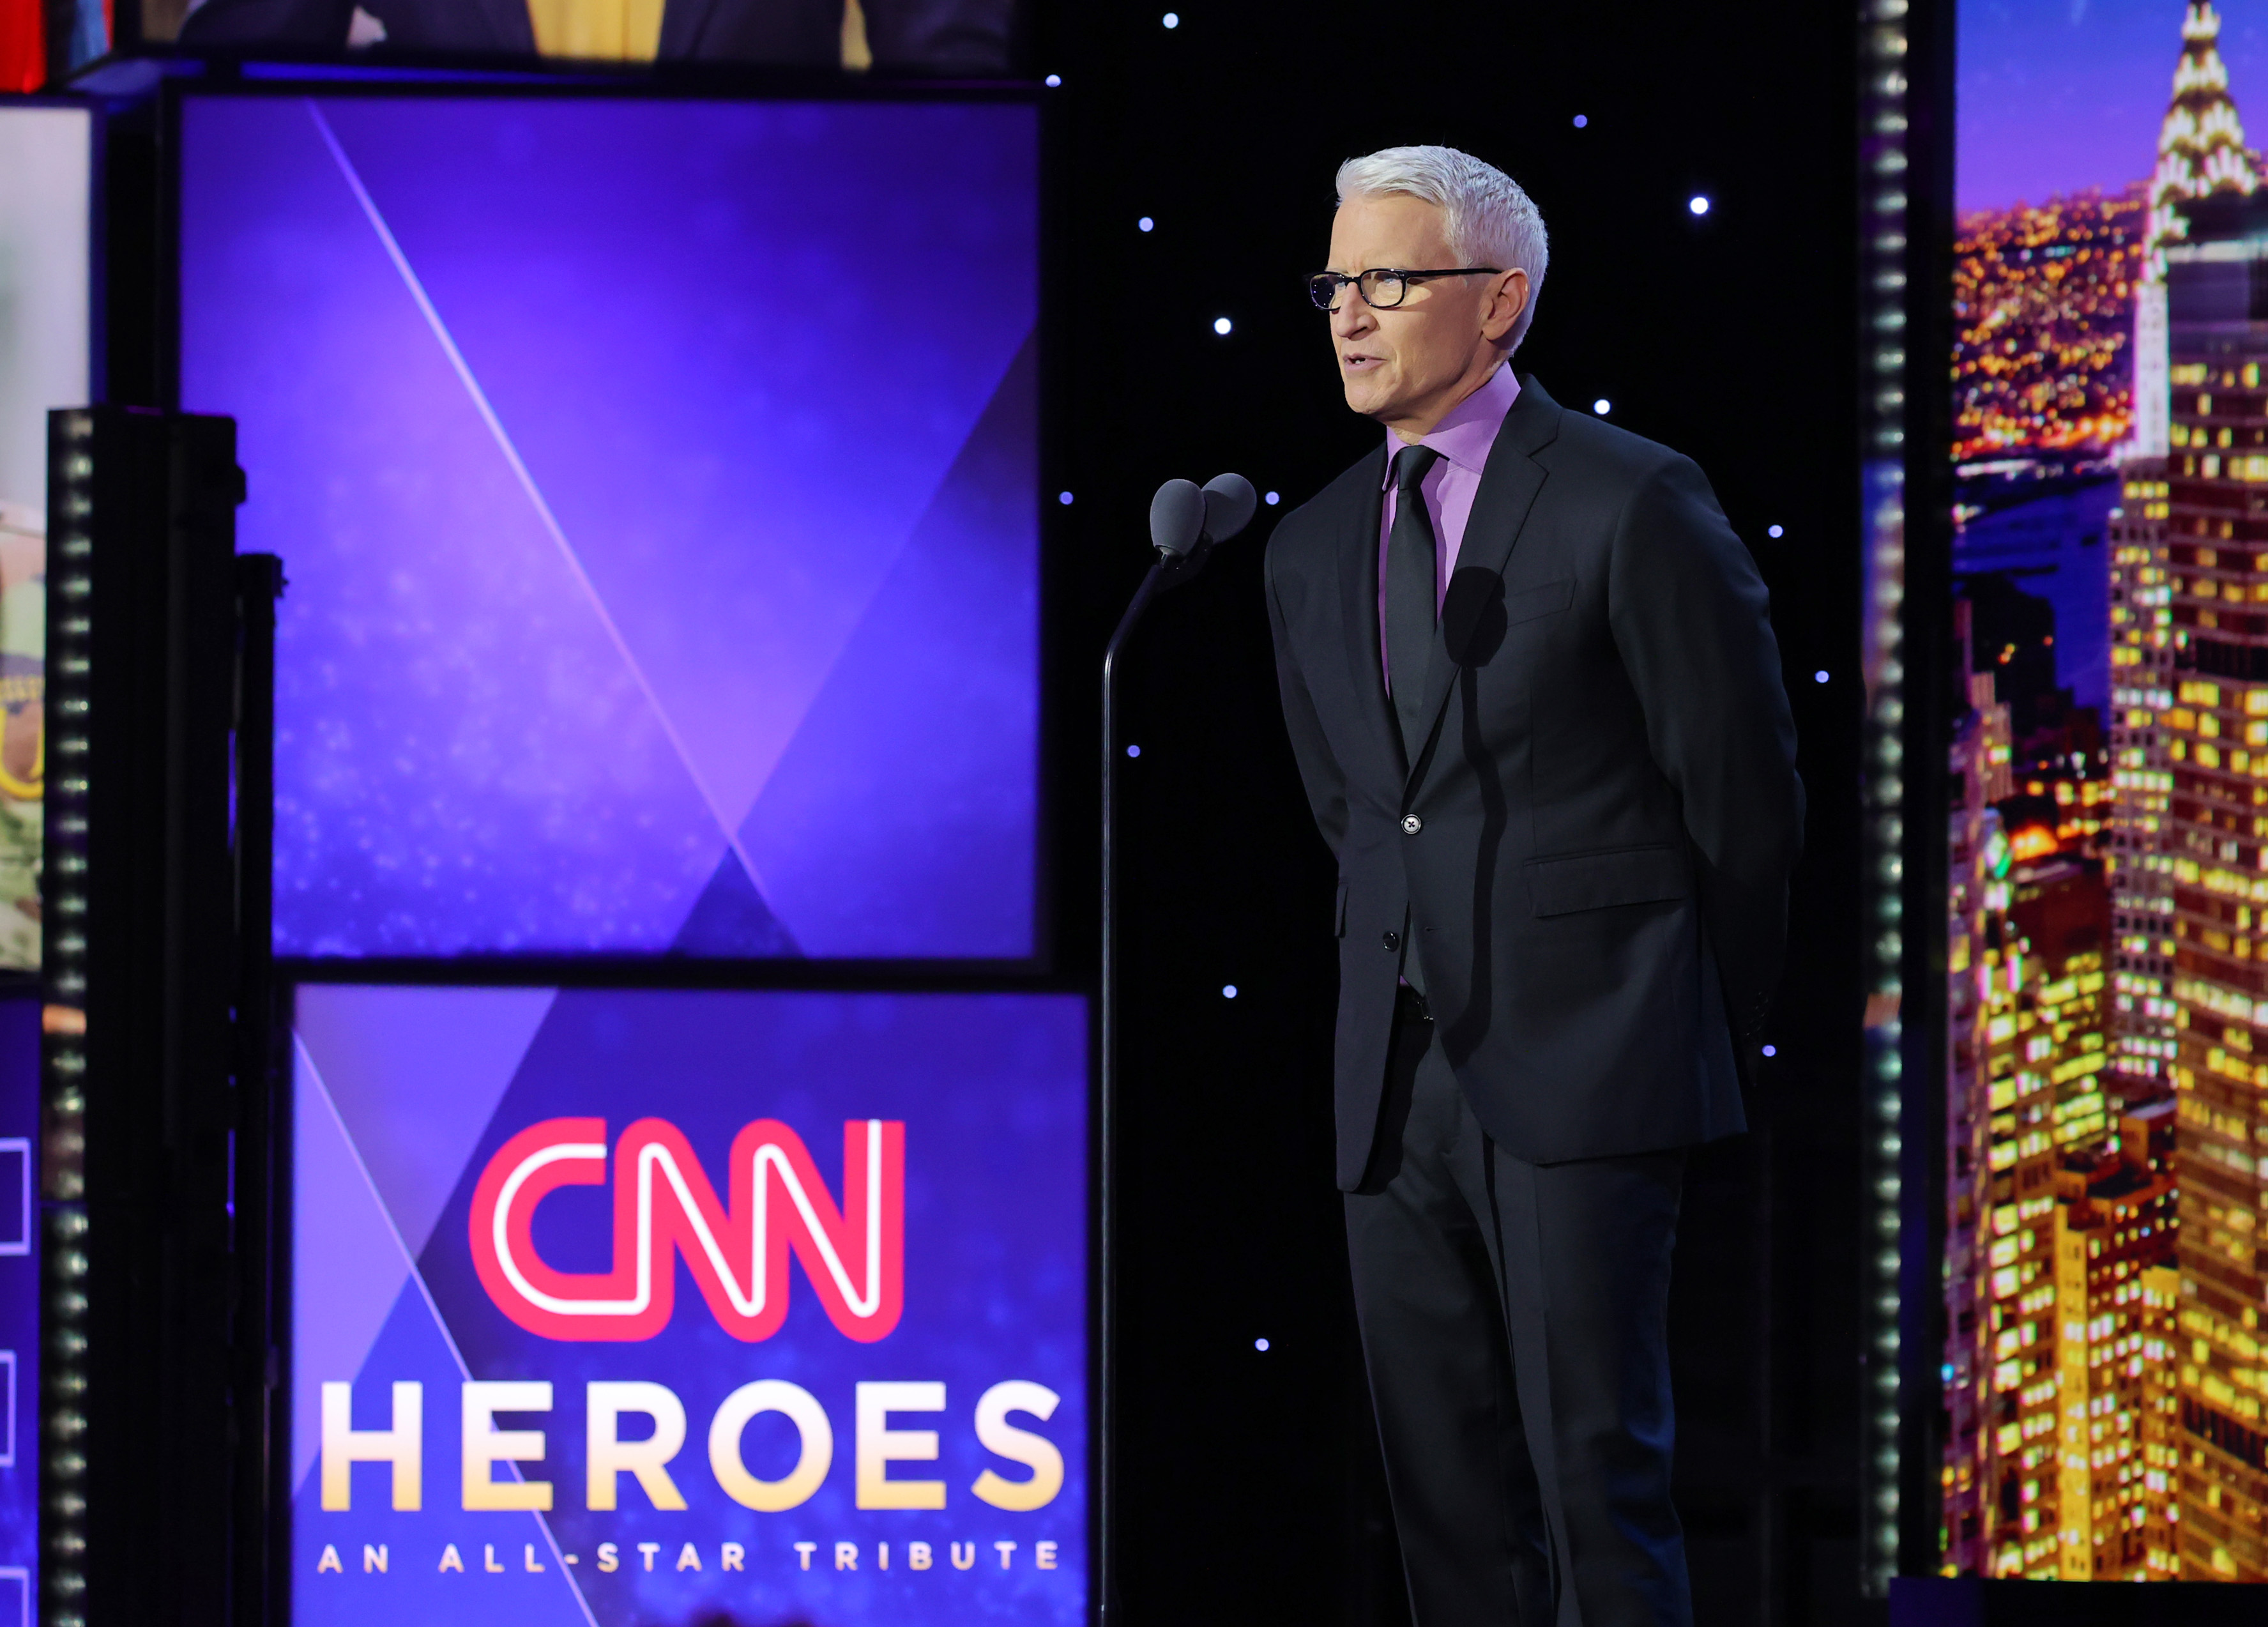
(664, 570)
(960, 37)
(47, 163)
(2106, 1141)
(621, 1307)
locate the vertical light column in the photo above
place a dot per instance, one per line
(1886, 207)
(71, 582)
(141, 1111)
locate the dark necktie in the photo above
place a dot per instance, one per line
(1411, 597)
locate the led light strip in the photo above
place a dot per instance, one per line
(70, 583)
(1883, 253)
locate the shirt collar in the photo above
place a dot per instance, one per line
(1465, 435)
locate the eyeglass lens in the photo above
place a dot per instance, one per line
(1381, 289)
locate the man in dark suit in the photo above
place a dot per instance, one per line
(918, 36)
(1536, 703)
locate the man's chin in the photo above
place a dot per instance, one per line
(1364, 396)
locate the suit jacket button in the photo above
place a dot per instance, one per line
(1393, 941)
(1411, 824)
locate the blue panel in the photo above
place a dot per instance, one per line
(981, 1219)
(643, 520)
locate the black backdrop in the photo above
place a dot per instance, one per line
(1252, 1490)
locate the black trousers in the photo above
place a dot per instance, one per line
(1514, 1321)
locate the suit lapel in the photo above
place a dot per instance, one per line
(1509, 485)
(1358, 551)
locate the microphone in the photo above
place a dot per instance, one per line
(1230, 503)
(1177, 520)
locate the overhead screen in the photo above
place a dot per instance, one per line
(619, 1307)
(960, 37)
(663, 563)
(2106, 1141)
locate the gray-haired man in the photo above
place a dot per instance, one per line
(1536, 703)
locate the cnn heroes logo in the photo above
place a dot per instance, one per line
(378, 1558)
(647, 1459)
(736, 1252)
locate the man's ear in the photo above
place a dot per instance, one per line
(1499, 325)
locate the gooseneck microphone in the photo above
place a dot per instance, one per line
(1186, 522)
(1230, 503)
(1177, 520)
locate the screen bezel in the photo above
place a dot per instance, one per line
(282, 1096)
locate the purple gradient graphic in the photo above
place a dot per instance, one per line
(663, 550)
(992, 1092)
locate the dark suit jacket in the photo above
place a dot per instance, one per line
(929, 36)
(1592, 845)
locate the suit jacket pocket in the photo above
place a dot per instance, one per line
(1639, 875)
(1545, 599)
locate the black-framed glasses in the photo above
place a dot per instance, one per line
(1381, 289)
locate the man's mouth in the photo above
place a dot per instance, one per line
(1358, 363)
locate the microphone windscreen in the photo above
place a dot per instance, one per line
(1230, 504)
(1177, 518)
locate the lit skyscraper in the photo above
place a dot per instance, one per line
(2200, 150)
(2114, 1291)
(2042, 985)
(2059, 1284)
(2141, 690)
(2215, 735)
(1977, 908)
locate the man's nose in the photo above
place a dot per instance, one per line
(1354, 317)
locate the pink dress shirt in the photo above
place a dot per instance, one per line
(1463, 438)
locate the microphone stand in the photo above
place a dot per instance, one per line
(1168, 572)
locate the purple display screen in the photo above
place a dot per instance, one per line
(614, 1308)
(657, 485)
(19, 1304)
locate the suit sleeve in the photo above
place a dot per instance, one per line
(1690, 617)
(1319, 769)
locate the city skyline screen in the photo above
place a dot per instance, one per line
(662, 578)
(2105, 1141)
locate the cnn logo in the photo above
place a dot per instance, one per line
(664, 1206)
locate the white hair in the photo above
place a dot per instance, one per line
(1490, 221)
